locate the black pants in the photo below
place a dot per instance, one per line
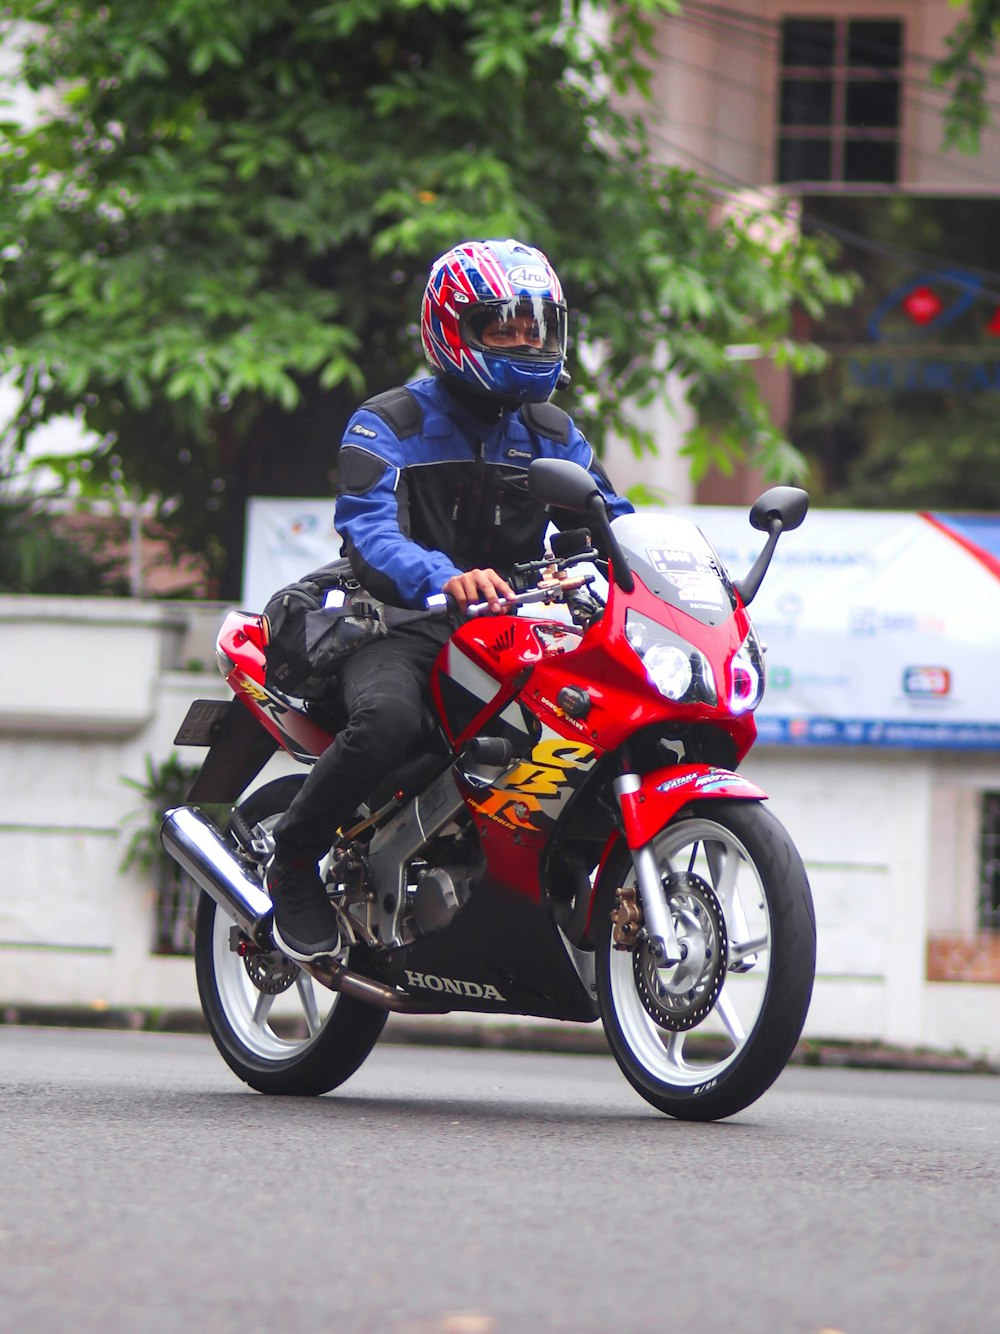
(383, 692)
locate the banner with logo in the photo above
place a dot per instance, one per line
(881, 628)
(285, 539)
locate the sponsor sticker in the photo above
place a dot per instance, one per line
(529, 275)
(665, 559)
(924, 682)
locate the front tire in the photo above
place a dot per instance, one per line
(705, 1043)
(276, 1028)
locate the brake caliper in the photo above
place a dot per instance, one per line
(626, 917)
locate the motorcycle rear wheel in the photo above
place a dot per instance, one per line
(736, 857)
(302, 1040)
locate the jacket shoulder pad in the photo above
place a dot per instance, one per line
(548, 420)
(399, 408)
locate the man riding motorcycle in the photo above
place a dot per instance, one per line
(432, 498)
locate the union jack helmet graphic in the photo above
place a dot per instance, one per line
(494, 317)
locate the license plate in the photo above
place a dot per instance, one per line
(203, 722)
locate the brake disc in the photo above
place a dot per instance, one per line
(680, 996)
(271, 973)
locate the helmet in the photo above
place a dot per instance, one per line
(476, 289)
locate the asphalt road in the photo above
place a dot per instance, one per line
(474, 1192)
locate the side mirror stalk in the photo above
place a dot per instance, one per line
(780, 508)
(747, 586)
(620, 572)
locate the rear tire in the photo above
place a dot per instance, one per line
(694, 1066)
(302, 1040)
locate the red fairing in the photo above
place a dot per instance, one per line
(242, 640)
(661, 795)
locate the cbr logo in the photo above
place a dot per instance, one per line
(481, 990)
(520, 794)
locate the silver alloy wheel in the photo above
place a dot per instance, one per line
(713, 852)
(273, 1026)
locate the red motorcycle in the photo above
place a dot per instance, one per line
(578, 846)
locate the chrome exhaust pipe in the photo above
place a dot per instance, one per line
(196, 845)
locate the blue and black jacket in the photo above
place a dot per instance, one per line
(426, 489)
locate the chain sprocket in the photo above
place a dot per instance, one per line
(680, 996)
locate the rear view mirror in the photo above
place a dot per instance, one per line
(562, 483)
(785, 503)
(780, 508)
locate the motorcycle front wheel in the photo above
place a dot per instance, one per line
(705, 1038)
(276, 1028)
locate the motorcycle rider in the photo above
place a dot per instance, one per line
(432, 497)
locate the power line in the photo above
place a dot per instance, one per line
(714, 76)
(769, 32)
(899, 254)
(768, 42)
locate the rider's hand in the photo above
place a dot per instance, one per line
(479, 586)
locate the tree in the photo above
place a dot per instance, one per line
(221, 227)
(903, 413)
(971, 43)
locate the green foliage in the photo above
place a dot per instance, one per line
(36, 557)
(165, 785)
(962, 71)
(219, 235)
(903, 448)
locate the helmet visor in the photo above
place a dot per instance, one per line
(527, 327)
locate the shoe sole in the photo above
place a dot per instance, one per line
(299, 956)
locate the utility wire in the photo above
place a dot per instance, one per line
(900, 255)
(769, 25)
(769, 45)
(725, 80)
(766, 33)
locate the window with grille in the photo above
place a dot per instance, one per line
(989, 862)
(839, 100)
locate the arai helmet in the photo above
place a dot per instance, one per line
(480, 290)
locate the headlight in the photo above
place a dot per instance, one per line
(748, 675)
(676, 668)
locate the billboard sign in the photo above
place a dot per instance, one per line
(882, 629)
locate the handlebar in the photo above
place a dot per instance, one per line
(441, 604)
(554, 592)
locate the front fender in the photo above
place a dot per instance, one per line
(659, 795)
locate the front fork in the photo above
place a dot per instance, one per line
(659, 923)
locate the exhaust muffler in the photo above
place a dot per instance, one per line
(195, 844)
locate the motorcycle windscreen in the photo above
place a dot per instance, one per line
(678, 564)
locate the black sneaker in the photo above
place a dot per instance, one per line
(305, 926)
